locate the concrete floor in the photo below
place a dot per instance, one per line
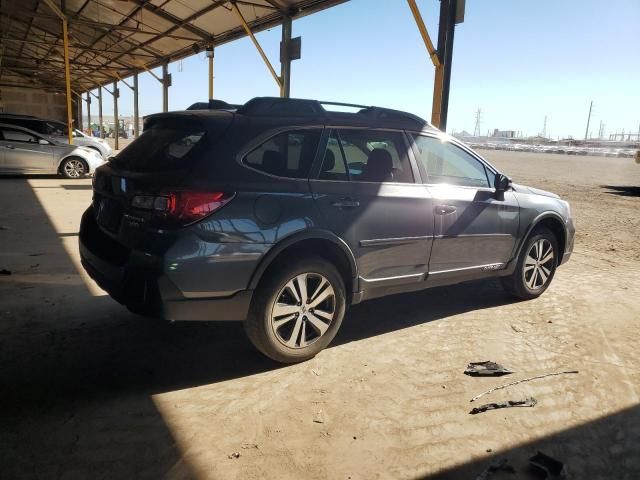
(88, 390)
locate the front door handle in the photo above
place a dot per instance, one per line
(346, 203)
(445, 209)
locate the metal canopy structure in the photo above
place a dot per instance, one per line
(76, 46)
(110, 40)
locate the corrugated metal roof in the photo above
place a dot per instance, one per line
(111, 39)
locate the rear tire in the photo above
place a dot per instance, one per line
(297, 310)
(536, 266)
(74, 168)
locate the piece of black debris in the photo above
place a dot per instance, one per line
(5, 272)
(527, 402)
(552, 468)
(482, 369)
(496, 465)
(235, 455)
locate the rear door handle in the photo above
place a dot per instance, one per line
(346, 203)
(445, 209)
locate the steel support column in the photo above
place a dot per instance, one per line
(80, 123)
(211, 57)
(285, 62)
(67, 73)
(100, 129)
(136, 115)
(165, 87)
(88, 111)
(447, 55)
(115, 116)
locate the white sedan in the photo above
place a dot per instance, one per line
(25, 151)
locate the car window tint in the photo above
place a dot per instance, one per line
(164, 146)
(11, 135)
(333, 165)
(446, 163)
(375, 156)
(288, 154)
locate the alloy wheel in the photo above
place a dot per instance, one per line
(538, 264)
(303, 310)
(74, 168)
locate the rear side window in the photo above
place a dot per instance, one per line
(164, 146)
(288, 154)
(366, 156)
(11, 135)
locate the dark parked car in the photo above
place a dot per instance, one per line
(282, 213)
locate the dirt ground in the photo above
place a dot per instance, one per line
(88, 390)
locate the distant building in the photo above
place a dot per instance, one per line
(504, 133)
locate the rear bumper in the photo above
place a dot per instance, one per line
(137, 280)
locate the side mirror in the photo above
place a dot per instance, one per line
(42, 141)
(502, 183)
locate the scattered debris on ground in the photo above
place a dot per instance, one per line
(319, 417)
(497, 465)
(521, 381)
(246, 446)
(482, 369)
(234, 455)
(552, 469)
(527, 402)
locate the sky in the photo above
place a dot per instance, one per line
(517, 61)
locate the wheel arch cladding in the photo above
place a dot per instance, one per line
(318, 244)
(556, 226)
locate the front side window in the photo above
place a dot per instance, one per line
(11, 135)
(288, 154)
(446, 163)
(366, 156)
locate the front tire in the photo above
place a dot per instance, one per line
(297, 310)
(536, 266)
(74, 168)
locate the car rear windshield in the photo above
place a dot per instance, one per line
(171, 144)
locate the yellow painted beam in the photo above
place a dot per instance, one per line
(67, 72)
(257, 45)
(425, 34)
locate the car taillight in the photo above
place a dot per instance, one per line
(182, 207)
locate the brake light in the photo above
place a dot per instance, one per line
(183, 207)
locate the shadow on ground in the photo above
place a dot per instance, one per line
(77, 372)
(605, 449)
(623, 191)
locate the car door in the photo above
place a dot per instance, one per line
(474, 231)
(366, 192)
(24, 154)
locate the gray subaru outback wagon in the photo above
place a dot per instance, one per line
(280, 213)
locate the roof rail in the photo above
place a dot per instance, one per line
(268, 106)
(213, 105)
(282, 106)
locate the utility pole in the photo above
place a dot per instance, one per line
(586, 133)
(601, 130)
(476, 130)
(544, 128)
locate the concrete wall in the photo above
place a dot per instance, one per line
(29, 101)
